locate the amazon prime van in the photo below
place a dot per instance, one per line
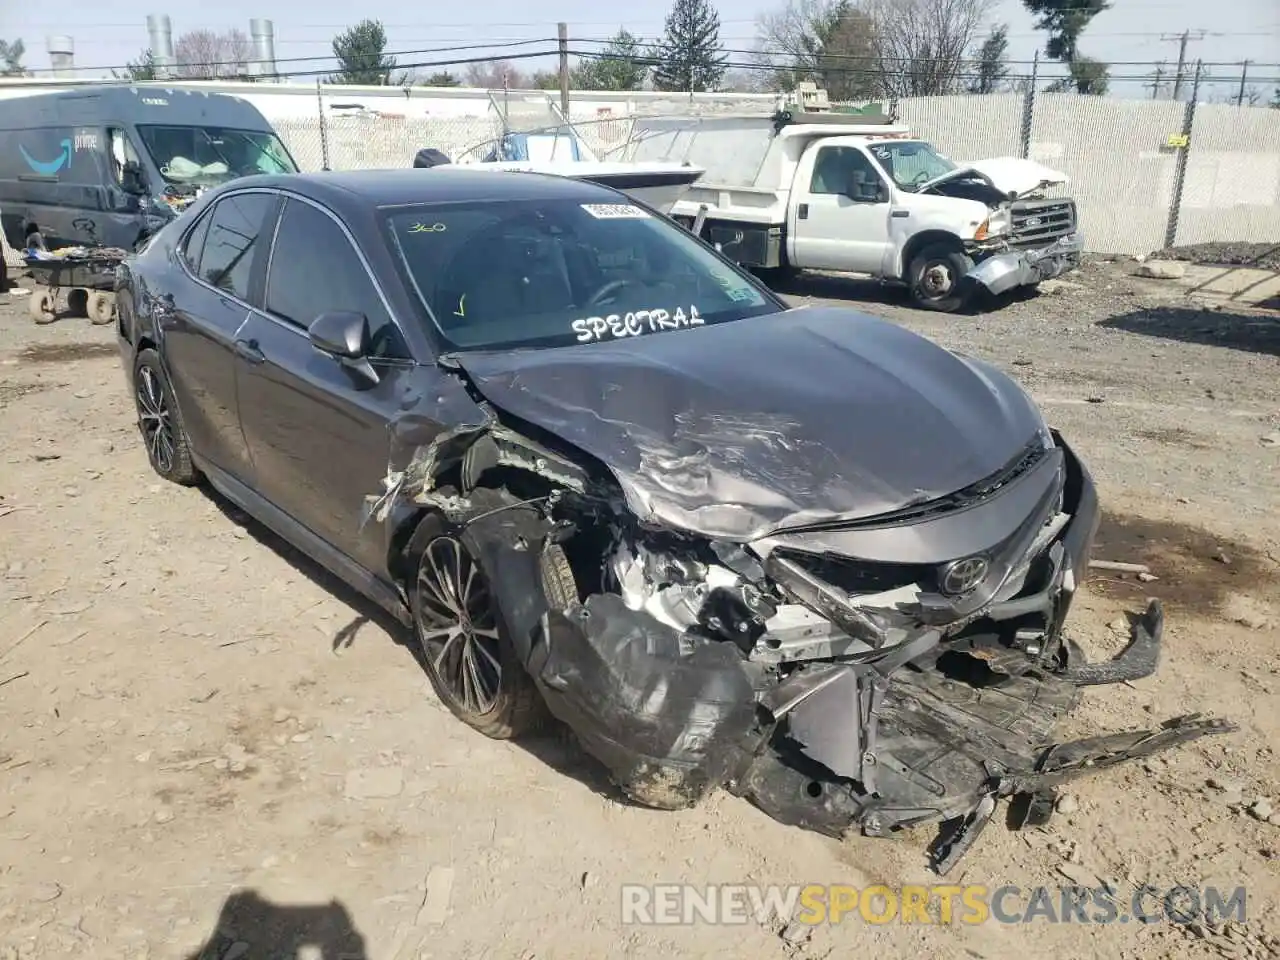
(111, 164)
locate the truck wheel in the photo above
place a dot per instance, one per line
(935, 274)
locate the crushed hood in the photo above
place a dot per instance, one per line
(1006, 174)
(741, 429)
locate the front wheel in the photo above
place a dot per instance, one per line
(468, 656)
(935, 276)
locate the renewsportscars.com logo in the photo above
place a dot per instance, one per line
(943, 904)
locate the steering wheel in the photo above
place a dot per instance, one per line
(920, 178)
(612, 286)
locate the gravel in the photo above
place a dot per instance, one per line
(1265, 256)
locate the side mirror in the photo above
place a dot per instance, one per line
(344, 335)
(340, 334)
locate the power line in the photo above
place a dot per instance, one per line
(312, 59)
(761, 60)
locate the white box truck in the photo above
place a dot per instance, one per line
(855, 193)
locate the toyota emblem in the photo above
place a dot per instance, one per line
(961, 576)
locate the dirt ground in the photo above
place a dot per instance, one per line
(209, 744)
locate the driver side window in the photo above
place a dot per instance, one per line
(842, 171)
(314, 270)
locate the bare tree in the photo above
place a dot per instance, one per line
(860, 49)
(493, 75)
(741, 80)
(922, 45)
(209, 55)
(828, 42)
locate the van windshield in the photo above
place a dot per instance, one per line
(205, 156)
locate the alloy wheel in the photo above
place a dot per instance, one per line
(155, 419)
(457, 624)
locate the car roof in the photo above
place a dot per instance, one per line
(388, 188)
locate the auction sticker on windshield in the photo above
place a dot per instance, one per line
(616, 326)
(615, 211)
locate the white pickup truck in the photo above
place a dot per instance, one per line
(812, 190)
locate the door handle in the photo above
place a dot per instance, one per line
(900, 214)
(802, 212)
(248, 349)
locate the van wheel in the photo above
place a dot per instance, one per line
(935, 277)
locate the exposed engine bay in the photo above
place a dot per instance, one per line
(865, 675)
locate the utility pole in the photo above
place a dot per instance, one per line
(1244, 77)
(563, 32)
(1182, 38)
(1155, 83)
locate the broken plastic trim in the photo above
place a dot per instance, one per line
(1139, 659)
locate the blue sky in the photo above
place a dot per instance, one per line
(110, 34)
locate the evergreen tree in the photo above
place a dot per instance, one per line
(619, 66)
(442, 79)
(992, 65)
(361, 55)
(689, 55)
(11, 54)
(144, 68)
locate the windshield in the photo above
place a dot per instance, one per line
(543, 273)
(205, 156)
(910, 162)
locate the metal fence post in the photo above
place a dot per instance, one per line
(324, 132)
(1029, 108)
(1180, 169)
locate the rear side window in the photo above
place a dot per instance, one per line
(315, 269)
(194, 244)
(234, 241)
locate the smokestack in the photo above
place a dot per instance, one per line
(62, 56)
(160, 30)
(263, 33)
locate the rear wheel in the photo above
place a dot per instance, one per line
(160, 423)
(469, 658)
(935, 276)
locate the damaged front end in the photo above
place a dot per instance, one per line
(842, 676)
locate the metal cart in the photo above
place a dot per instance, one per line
(89, 283)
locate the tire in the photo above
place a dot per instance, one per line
(41, 306)
(497, 698)
(100, 308)
(934, 277)
(158, 415)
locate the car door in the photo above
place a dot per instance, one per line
(828, 228)
(220, 256)
(317, 429)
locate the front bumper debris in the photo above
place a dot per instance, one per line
(917, 737)
(1002, 272)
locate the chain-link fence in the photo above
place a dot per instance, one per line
(1145, 173)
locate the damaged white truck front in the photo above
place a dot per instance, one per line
(854, 193)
